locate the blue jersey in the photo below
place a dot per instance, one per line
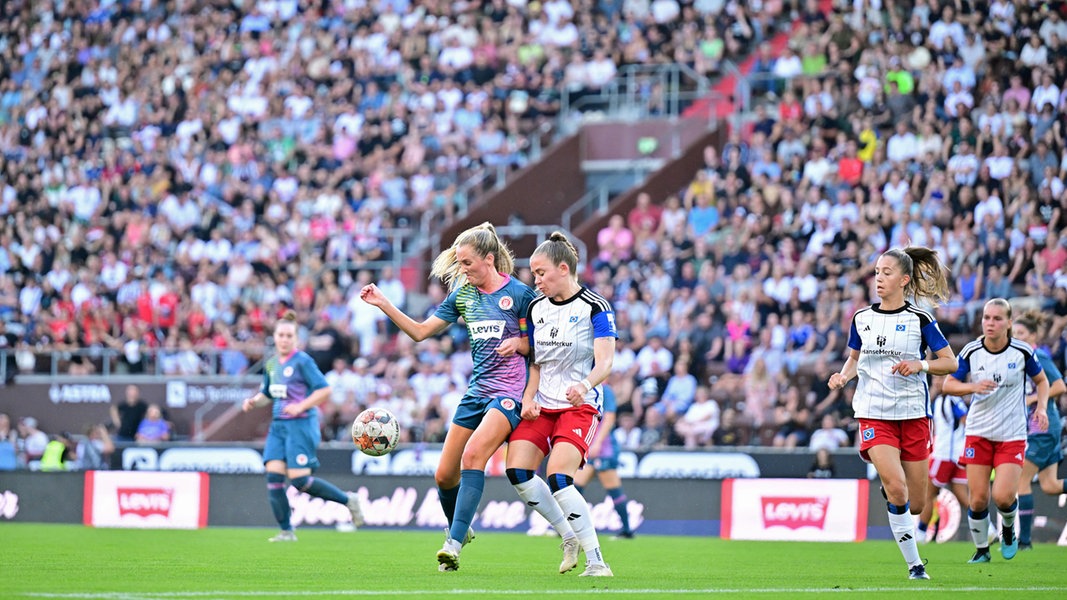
(1053, 374)
(291, 382)
(610, 447)
(490, 319)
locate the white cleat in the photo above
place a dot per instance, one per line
(285, 535)
(570, 554)
(355, 507)
(448, 556)
(592, 570)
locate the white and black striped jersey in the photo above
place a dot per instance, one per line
(561, 343)
(1000, 415)
(884, 338)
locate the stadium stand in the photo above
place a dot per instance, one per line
(170, 181)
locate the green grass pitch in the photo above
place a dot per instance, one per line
(75, 562)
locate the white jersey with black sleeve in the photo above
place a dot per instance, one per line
(561, 343)
(1000, 415)
(883, 338)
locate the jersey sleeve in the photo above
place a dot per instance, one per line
(314, 378)
(963, 369)
(264, 387)
(933, 337)
(604, 324)
(1033, 367)
(448, 311)
(1049, 367)
(854, 341)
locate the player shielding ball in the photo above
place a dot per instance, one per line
(993, 371)
(477, 269)
(888, 343)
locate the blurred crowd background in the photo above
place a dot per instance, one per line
(174, 175)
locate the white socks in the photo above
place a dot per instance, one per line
(536, 495)
(903, 527)
(573, 504)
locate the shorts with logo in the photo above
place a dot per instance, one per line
(912, 437)
(471, 410)
(294, 441)
(1043, 450)
(980, 451)
(944, 472)
(576, 426)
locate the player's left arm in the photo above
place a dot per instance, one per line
(1033, 369)
(944, 364)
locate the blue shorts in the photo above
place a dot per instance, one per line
(470, 411)
(294, 441)
(1043, 450)
(606, 463)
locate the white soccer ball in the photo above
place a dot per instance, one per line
(376, 432)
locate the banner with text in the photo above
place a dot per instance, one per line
(155, 500)
(809, 510)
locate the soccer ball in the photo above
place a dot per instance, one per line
(376, 432)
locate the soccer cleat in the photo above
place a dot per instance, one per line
(445, 568)
(285, 535)
(466, 539)
(1025, 546)
(981, 555)
(355, 507)
(918, 572)
(570, 554)
(624, 535)
(592, 570)
(448, 556)
(1009, 543)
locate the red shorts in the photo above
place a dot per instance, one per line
(911, 437)
(944, 472)
(576, 426)
(980, 451)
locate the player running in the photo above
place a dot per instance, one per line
(993, 371)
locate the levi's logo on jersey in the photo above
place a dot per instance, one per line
(487, 330)
(278, 390)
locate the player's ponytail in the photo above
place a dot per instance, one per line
(484, 241)
(559, 250)
(927, 273)
(1033, 320)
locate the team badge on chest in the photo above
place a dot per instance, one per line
(505, 303)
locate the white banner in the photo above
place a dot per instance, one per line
(802, 510)
(141, 499)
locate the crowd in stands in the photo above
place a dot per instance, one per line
(173, 175)
(934, 123)
(171, 181)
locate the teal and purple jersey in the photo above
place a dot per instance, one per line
(1053, 374)
(490, 319)
(290, 382)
